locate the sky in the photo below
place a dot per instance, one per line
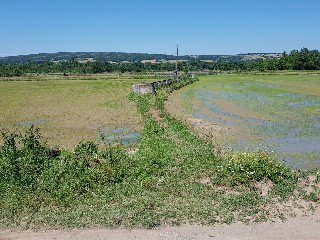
(155, 26)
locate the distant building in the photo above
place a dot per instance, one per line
(149, 61)
(209, 61)
(85, 60)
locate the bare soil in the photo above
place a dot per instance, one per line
(303, 227)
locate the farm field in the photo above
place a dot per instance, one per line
(279, 114)
(71, 109)
(172, 177)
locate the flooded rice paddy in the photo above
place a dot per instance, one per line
(70, 111)
(123, 136)
(278, 114)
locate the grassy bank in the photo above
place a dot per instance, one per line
(174, 177)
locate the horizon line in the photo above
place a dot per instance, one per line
(16, 55)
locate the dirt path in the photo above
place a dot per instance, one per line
(304, 227)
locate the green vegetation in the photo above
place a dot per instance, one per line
(295, 60)
(174, 177)
(108, 56)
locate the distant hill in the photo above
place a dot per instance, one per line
(127, 57)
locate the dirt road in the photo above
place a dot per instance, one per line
(303, 227)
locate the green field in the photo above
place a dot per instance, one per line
(169, 177)
(275, 113)
(71, 109)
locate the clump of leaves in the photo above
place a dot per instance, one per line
(23, 158)
(247, 168)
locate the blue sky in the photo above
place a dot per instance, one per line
(154, 26)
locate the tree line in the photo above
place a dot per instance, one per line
(295, 60)
(110, 56)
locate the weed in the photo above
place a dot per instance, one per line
(246, 168)
(312, 197)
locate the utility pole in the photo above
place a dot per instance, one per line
(177, 61)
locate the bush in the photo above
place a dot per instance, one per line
(23, 158)
(246, 168)
(27, 162)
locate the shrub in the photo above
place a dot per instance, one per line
(246, 168)
(27, 162)
(23, 158)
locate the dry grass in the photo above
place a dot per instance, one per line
(68, 109)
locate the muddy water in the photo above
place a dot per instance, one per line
(284, 123)
(123, 136)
